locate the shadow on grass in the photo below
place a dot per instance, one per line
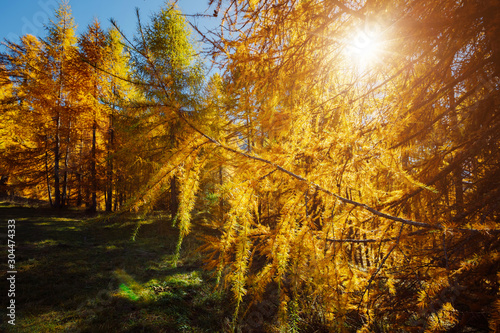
(77, 274)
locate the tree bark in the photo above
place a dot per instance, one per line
(109, 197)
(174, 197)
(64, 198)
(49, 191)
(57, 193)
(79, 197)
(457, 173)
(93, 204)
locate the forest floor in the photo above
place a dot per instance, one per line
(82, 274)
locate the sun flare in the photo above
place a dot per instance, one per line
(365, 48)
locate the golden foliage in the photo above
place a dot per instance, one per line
(364, 190)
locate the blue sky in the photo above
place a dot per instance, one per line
(29, 16)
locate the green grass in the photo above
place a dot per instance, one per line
(80, 274)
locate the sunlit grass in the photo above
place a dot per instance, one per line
(97, 279)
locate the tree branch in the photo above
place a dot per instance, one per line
(372, 210)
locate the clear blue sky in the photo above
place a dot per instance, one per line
(19, 17)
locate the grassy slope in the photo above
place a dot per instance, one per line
(86, 275)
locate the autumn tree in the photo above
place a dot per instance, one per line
(165, 62)
(351, 149)
(30, 155)
(58, 88)
(7, 105)
(119, 96)
(94, 92)
(369, 129)
(59, 53)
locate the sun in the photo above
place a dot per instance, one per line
(365, 48)
(366, 45)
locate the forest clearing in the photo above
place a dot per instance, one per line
(300, 166)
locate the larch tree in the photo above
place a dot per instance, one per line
(44, 112)
(364, 161)
(59, 52)
(351, 148)
(30, 116)
(94, 93)
(7, 107)
(165, 61)
(118, 92)
(119, 96)
(57, 89)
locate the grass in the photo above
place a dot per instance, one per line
(80, 274)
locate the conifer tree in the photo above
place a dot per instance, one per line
(59, 53)
(376, 187)
(165, 61)
(94, 92)
(117, 68)
(7, 104)
(28, 156)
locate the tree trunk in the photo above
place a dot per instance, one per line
(79, 178)
(115, 207)
(93, 171)
(66, 161)
(457, 173)
(93, 204)
(174, 197)
(79, 190)
(221, 199)
(57, 193)
(49, 191)
(109, 197)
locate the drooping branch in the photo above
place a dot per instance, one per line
(372, 240)
(181, 113)
(330, 193)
